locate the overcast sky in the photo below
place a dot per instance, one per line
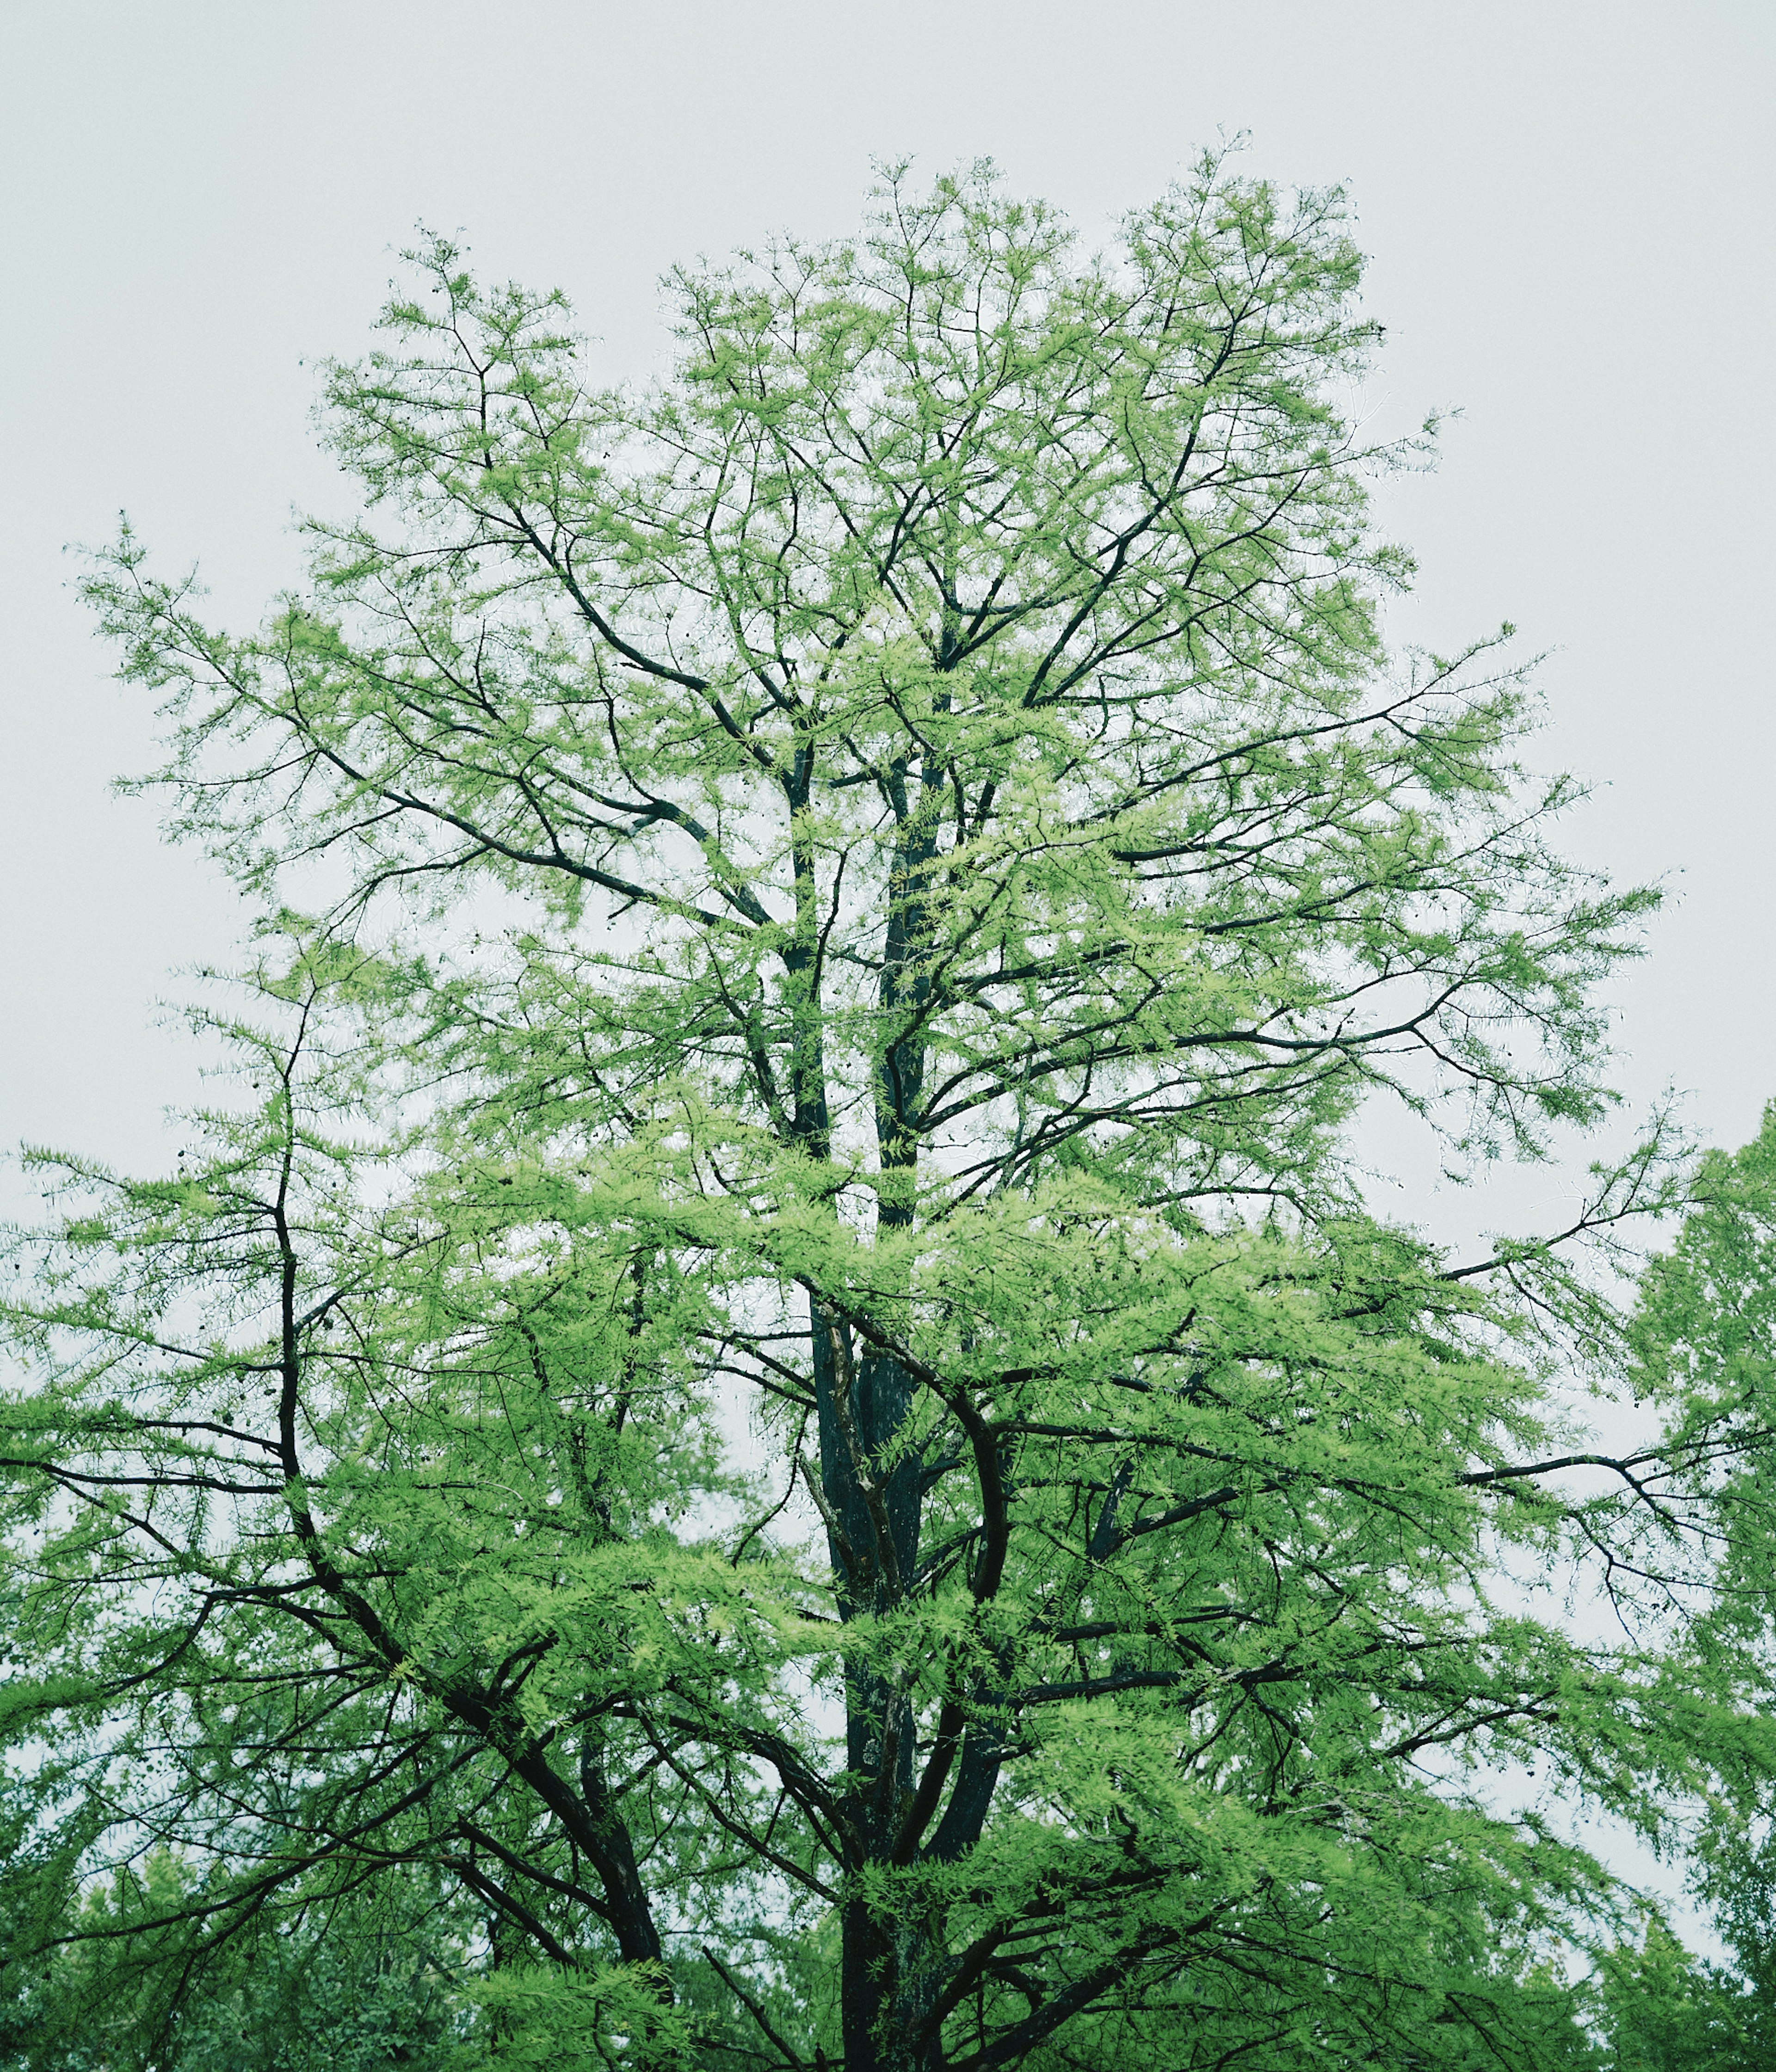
(1569, 209)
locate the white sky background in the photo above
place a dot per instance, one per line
(1570, 208)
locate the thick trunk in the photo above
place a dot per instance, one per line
(890, 1985)
(890, 1978)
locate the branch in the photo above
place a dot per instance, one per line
(478, 1881)
(754, 2010)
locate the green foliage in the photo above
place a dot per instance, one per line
(1702, 1343)
(1666, 2010)
(774, 1381)
(1703, 1347)
(356, 1987)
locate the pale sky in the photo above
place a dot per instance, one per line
(1570, 208)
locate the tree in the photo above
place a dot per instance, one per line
(1703, 1348)
(364, 1986)
(779, 1369)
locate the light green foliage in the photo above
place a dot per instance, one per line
(1665, 2011)
(364, 1987)
(1702, 1343)
(776, 1373)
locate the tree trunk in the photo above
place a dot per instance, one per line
(888, 1981)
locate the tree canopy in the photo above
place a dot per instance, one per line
(768, 1426)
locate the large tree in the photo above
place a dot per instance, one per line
(778, 1372)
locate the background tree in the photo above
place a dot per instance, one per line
(1703, 1349)
(367, 1982)
(780, 1370)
